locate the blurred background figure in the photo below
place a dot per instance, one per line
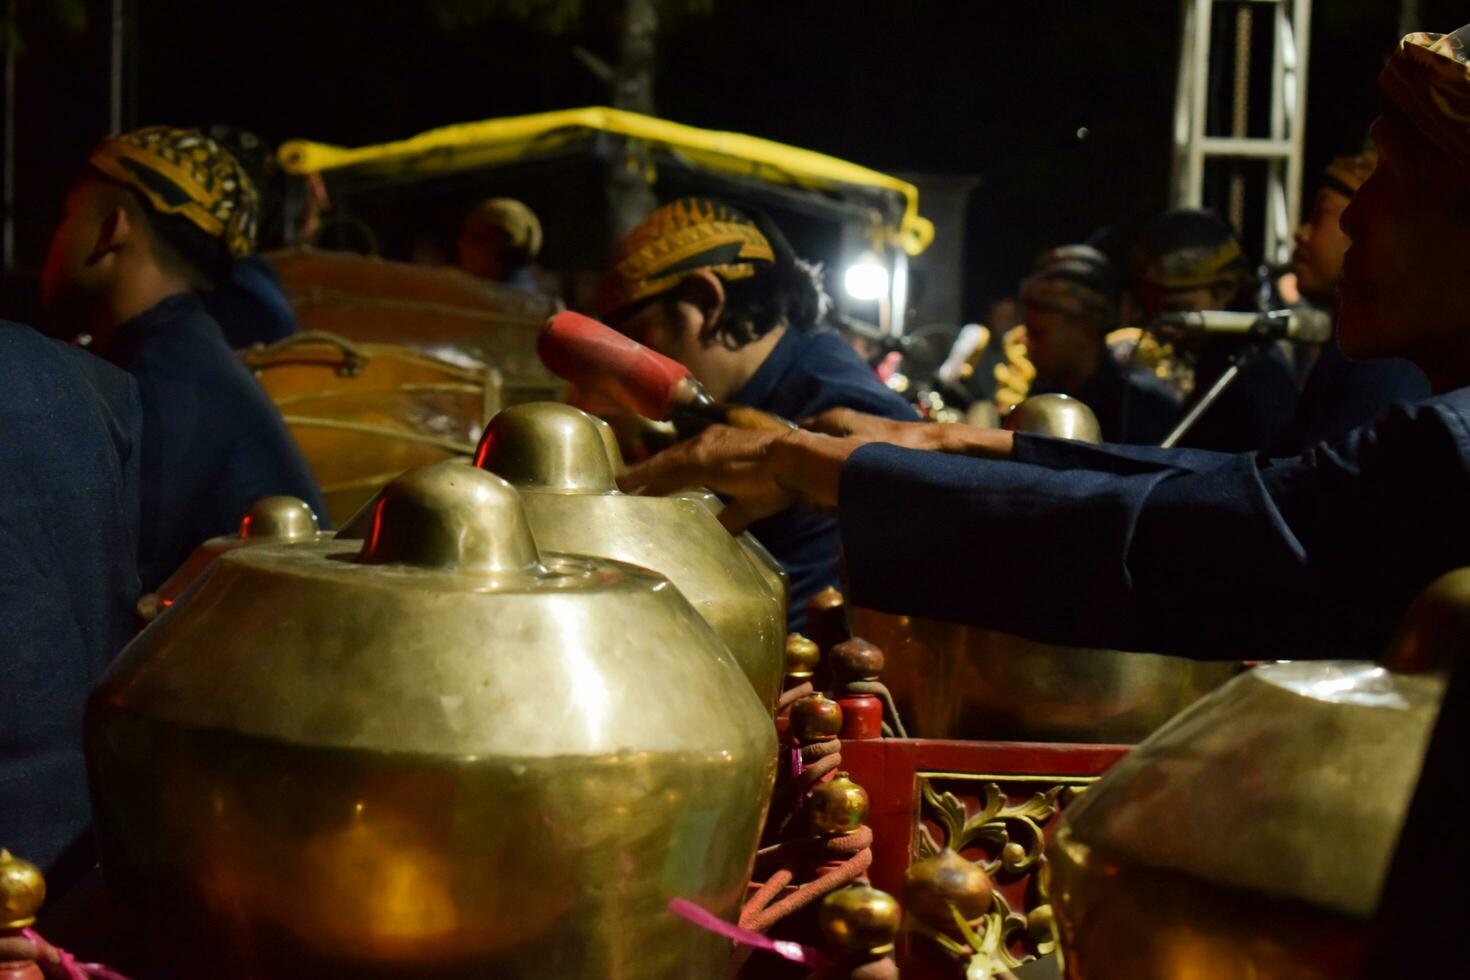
(499, 240)
(1190, 259)
(1070, 304)
(249, 304)
(1338, 394)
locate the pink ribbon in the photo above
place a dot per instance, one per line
(806, 956)
(69, 965)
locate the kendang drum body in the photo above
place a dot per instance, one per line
(363, 412)
(955, 681)
(433, 753)
(439, 311)
(559, 458)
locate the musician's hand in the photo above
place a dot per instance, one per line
(961, 440)
(761, 472)
(849, 423)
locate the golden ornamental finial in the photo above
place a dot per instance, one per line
(22, 890)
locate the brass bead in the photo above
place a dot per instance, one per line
(838, 806)
(802, 657)
(932, 884)
(1060, 416)
(856, 660)
(287, 518)
(826, 600)
(22, 890)
(815, 718)
(859, 921)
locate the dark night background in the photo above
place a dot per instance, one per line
(968, 87)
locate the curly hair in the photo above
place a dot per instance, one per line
(786, 293)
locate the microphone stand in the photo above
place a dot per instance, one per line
(1238, 360)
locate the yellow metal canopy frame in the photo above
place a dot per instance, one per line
(478, 144)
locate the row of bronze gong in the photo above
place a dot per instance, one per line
(444, 742)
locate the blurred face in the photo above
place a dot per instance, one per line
(1155, 299)
(75, 274)
(668, 325)
(1403, 287)
(1063, 347)
(1320, 246)
(480, 255)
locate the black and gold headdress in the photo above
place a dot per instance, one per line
(677, 239)
(185, 173)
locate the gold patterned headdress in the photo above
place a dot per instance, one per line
(677, 239)
(1186, 249)
(1428, 79)
(1347, 173)
(185, 173)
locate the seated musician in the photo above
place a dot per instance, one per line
(1339, 394)
(1070, 304)
(159, 216)
(700, 282)
(1191, 260)
(68, 581)
(499, 240)
(1196, 553)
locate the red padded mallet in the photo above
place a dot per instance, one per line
(594, 356)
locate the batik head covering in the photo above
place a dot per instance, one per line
(185, 173)
(1186, 249)
(1347, 173)
(1074, 286)
(517, 222)
(1428, 79)
(677, 239)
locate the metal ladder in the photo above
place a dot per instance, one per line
(1282, 150)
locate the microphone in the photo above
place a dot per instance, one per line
(1303, 325)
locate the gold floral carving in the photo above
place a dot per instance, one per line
(1014, 833)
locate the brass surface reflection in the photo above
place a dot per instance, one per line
(955, 681)
(559, 459)
(428, 754)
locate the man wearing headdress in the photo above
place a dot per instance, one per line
(1339, 394)
(1182, 551)
(723, 294)
(1070, 304)
(159, 217)
(1191, 260)
(499, 240)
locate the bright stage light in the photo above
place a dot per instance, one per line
(866, 279)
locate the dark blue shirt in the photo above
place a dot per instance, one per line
(250, 306)
(1253, 411)
(1210, 555)
(1342, 394)
(68, 580)
(807, 374)
(1131, 407)
(213, 443)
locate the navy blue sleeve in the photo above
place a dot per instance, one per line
(1249, 558)
(1065, 454)
(68, 581)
